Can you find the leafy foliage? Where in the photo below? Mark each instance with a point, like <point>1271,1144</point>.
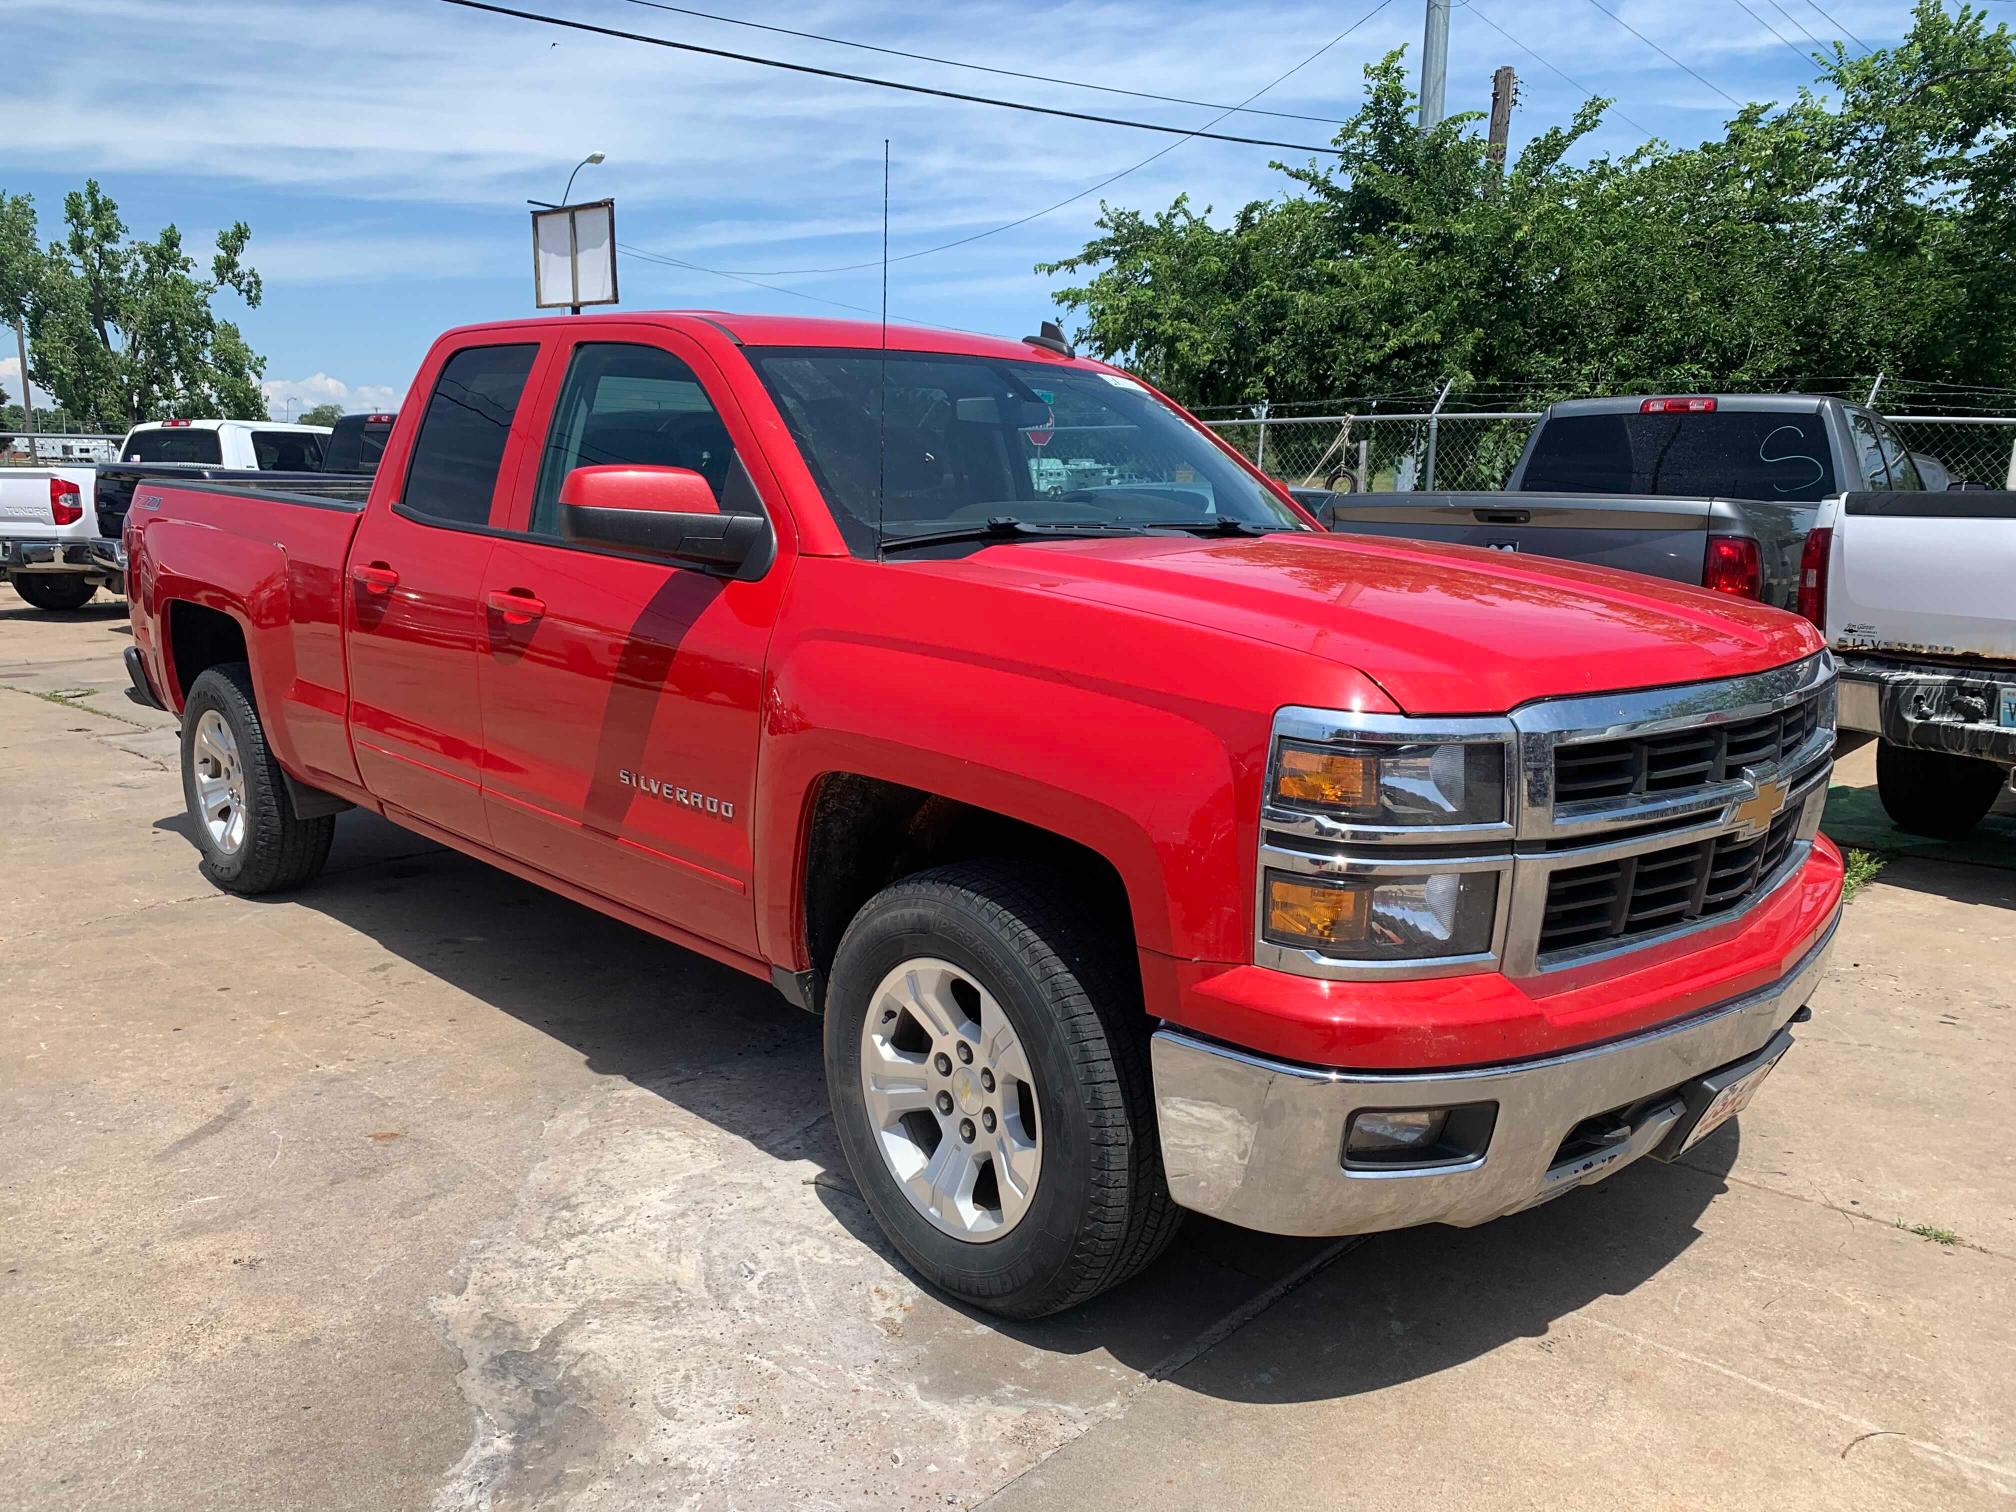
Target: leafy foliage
<point>125,330</point>
<point>321,414</point>
<point>1868,225</point>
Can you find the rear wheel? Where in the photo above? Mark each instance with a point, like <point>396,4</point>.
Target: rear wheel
<point>1933,793</point>
<point>245,824</point>
<point>55,590</point>
<point>987,1059</point>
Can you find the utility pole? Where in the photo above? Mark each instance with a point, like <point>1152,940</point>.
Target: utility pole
<point>1434,63</point>
<point>1504,88</point>
<point>27,401</point>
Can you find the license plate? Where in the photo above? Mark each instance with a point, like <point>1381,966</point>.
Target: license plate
<point>2009,708</point>
<point>1730,1101</point>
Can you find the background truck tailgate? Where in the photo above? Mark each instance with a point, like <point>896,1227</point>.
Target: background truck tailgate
<point>1664,538</point>
<point>1929,574</point>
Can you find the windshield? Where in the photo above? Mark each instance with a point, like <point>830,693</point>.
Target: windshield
<point>177,444</point>
<point>974,439</point>
<point>1744,454</point>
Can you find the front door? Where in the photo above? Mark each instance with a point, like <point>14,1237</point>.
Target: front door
<point>621,696</point>
<point>418,632</point>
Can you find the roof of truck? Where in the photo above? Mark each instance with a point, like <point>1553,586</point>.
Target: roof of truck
<point>807,331</point>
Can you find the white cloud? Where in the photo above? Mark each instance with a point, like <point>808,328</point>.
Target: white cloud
<point>10,378</point>
<point>320,388</point>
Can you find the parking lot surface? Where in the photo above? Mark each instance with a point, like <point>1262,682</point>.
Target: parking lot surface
<point>424,1187</point>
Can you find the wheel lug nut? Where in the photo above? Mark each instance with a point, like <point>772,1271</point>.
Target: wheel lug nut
<point>944,1102</point>
<point>987,1119</point>
<point>943,1062</point>
<point>987,1080</point>
<point>966,1130</point>
<point>965,1053</point>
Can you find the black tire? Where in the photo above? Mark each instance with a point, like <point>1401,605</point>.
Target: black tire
<point>278,850</point>
<point>55,590</point>
<point>1932,793</point>
<point>1101,1209</point>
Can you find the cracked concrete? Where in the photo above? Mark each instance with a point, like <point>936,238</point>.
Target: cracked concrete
<point>423,1187</point>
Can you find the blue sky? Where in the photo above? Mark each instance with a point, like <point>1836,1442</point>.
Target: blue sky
<point>383,150</point>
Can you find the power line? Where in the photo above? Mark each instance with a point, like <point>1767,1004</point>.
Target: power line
<point>1832,22</point>
<point>1006,73</point>
<point>1112,178</point>
<point>1641,37</point>
<point>1793,22</point>
<point>1776,35</point>
<point>1587,92</point>
<point>642,255</point>
<point>834,73</point>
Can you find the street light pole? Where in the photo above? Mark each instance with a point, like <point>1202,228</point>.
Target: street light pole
<point>590,161</point>
<point>1434,63</point>
<point>27,398</point>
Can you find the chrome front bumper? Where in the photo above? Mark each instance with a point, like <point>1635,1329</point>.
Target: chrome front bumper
<point>1260,1142</point>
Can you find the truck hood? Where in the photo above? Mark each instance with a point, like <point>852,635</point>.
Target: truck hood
<point>1444,630</point>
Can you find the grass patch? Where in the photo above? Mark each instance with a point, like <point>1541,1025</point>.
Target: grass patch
<point>1862,868</point>
<point>1930,1233</point>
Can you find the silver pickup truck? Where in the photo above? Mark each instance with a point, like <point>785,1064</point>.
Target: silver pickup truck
<point>1716,489</point>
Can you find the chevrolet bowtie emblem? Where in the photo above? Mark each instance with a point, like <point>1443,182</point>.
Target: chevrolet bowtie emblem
<point>1755,813</point>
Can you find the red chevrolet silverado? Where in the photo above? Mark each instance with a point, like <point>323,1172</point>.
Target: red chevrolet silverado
<point>1144,847</point>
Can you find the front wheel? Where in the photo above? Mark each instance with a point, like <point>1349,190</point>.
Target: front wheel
<point>55,590</point>
<point>987,1060</point>
<point>246,828</point>
<point>1933,793</point>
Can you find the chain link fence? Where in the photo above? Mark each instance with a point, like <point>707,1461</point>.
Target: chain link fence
<point>54,449</point>
<point>1375,453</point>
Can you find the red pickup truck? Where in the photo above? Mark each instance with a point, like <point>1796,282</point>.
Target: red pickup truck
<point>1145,847</point>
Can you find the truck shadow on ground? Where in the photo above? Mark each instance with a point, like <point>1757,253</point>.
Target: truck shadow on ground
<point>728,1049</point>
<point>100,611</point>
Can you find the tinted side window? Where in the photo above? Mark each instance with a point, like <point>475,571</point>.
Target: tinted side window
<point>634,404</point>
<point>1903,471</point>
<point>463,431</point>
<point>1874,467</point>
<point>287,451</point>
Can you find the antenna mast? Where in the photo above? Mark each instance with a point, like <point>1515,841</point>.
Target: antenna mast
<point>882,375</point>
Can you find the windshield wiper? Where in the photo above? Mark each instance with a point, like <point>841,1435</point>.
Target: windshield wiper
<point>1215,525</point>
<point>1004,527</point>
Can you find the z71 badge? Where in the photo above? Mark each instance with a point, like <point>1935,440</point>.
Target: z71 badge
<point>684,796</point>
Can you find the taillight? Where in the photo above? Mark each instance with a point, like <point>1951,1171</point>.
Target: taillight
<point>1697,404</point>
<point>174,422</point>
<point>66,501</point>
<point>1813,575</point>
<point>1735,566</point>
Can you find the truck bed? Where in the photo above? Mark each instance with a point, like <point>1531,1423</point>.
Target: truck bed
<point>199,536</point>
<point>1657,535</point>
<point>118,480</point>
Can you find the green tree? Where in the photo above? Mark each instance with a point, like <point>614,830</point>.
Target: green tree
<point>1870,224</point>
<point>125,330</point>
<point>321,414</point>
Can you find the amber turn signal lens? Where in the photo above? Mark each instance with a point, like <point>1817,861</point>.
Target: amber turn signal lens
<point>1318,912</point>
<point>1327,779</point>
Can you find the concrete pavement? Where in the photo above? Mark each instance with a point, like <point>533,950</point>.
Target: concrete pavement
<point>424,1187</point>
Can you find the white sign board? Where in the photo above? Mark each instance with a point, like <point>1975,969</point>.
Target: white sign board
<point>574,255</point>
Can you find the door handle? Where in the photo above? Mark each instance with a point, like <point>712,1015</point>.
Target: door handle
<point>375,577</point>
<point>515,606</point>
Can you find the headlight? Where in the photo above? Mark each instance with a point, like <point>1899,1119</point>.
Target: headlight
<point>1394,784</point>
<point>1398,918</point>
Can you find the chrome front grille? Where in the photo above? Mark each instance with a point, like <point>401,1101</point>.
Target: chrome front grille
<point>1651,765</point>
<point>1618,900</point>
<point>1631,818</point>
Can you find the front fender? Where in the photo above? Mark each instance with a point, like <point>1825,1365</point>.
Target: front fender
<point>1151,787</point>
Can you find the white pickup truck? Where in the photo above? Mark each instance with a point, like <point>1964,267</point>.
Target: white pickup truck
<point>49,541</point>
<point>1917,595</point>
<point>265,445</point>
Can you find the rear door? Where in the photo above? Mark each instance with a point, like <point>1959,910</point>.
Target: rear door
<point>622,697</point>
<point>418,633</point>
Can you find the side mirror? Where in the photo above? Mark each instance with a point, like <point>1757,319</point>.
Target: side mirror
<point>662,513</point>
